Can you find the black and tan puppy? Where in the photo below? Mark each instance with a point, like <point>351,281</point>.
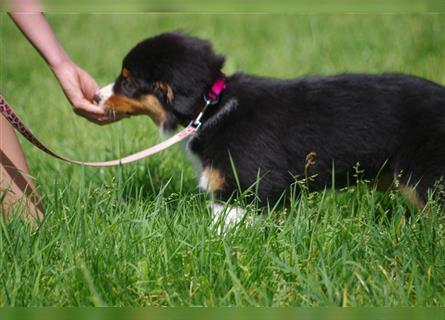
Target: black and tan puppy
<point>390,124</point>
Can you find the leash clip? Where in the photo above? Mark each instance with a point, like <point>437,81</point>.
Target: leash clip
<point>197,122</point>
<point>210,99</point>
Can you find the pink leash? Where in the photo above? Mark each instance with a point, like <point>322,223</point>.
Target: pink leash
<point>211,98</point>
<point>15,121</point>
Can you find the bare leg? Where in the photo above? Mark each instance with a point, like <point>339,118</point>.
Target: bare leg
<point>14,176</point>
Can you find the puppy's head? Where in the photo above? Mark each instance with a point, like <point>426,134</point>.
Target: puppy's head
<point>164,77</point>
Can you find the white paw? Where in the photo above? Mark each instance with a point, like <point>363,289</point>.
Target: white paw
<point>226,216</point>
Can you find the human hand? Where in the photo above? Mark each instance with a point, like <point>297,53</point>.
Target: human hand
<point>79,87</point>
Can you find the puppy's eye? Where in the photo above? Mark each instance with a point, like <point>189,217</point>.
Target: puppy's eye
<point>125,73</point>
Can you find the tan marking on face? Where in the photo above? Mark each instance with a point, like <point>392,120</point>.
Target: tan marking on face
<point>125,73</point>
<point>166,89</point>
<point>148,104</point>
<point>215,180</point>
<point>411,196</point>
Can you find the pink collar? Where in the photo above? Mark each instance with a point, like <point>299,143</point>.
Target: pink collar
<point>218,86</point>
<point>211,98</point>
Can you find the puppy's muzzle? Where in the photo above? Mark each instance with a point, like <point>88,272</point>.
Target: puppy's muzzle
<point>103,94</point>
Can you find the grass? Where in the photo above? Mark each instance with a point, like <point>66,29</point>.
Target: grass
<point>141,234</point>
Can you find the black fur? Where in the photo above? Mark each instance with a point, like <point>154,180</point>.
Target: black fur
<point>272,125</point>
<point>187,64</point>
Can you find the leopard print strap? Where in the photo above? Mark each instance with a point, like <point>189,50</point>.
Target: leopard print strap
<point>15,121</point>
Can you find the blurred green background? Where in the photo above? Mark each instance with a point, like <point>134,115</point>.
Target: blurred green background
<point>264,6</point>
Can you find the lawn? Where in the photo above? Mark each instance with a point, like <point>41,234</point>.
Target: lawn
<point>141,234</point>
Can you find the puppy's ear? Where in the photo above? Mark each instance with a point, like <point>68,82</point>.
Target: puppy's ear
<point>191,89</point>
<point>170,124</point>
<point>186,104</point>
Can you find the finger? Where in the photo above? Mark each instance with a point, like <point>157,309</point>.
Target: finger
<point>87,107</point>
<point>104,121</point>
<point>90,92</point>
<point>95,120</point>
<point>88,115</point>
<point>88,85</point>
<point>110,119</point>
<point>101,120</point>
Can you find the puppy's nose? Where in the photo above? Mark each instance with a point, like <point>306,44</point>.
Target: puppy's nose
<point>103,94</point>
<point>97,98</point>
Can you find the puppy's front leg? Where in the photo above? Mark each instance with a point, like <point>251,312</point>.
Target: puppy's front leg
<point>212,180</point>
<point>231,215</point>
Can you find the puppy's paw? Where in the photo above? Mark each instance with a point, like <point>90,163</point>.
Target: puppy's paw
<point>226,216</point>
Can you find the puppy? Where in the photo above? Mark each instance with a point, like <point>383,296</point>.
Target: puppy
<point>275,131</point>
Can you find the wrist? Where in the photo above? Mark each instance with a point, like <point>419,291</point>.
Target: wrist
<point>61,67</point>
<point>60,63</point>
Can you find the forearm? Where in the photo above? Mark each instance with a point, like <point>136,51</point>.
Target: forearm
<point>78,86</point>
<point>36,28</point>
